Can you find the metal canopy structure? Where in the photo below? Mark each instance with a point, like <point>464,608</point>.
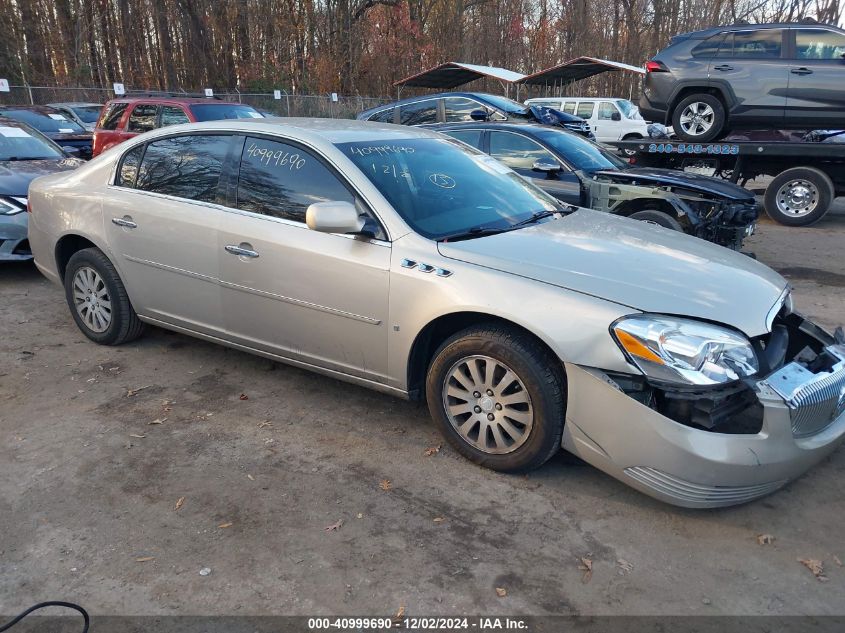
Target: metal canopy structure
<point>575,70</point>
<point>454,74</point>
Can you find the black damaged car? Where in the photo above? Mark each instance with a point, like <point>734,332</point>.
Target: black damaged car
<point>581,173</point>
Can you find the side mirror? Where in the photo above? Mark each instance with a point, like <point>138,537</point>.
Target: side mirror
<point>479,115</point>
<point>72,151</point>
<point>615,116</point>
<point>547,166</point>
<point>334,217</point>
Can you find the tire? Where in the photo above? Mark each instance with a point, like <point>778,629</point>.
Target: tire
<point>709,127</point>
<point>92,278</point>
<point>657,217</point>
<point>528,420</point>
<point>799,196</point>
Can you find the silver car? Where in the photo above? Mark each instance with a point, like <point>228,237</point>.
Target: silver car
<point>401,260</point>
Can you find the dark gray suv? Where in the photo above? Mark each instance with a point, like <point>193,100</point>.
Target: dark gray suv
<point>773,75</point>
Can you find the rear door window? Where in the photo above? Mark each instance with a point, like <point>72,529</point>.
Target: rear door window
<point>762,44</point>
<point>819,44</point>
<point>282,180</point>
<point>111,116</point>
<point>184,166</point>
<point>173,115</point>
<point>470,137</point>
<point>143,118</point>
<point>708,47</point>
<point>585,109</point>
<point>419,112</point>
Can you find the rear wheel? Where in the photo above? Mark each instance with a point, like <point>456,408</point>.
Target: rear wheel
<point>98,300</point>
<point>699,118</point>
<point>499,397</point>
<point>799,196</point>
<point>659,218</point>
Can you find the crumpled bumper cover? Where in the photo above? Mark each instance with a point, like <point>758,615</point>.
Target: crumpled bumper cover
<point>685,466</point>
<point>13,244</point>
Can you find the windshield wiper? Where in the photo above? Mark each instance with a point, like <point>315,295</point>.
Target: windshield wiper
<point>26,158</point>
<point>476,231</point>
<point>535,217</point>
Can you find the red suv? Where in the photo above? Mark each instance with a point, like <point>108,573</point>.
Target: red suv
<point>122,119</point>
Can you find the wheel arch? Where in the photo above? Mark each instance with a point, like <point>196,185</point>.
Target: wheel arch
<point>69,244</point>
<point>722,93</point>
<point>432,335</point>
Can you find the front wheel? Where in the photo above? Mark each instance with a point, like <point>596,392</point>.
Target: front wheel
<point>499,397</point>
<point>699,118</point>
<point>98,300</point>
<point>650,216</point>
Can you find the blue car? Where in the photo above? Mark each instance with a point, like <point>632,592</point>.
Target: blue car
<point>457,107</point>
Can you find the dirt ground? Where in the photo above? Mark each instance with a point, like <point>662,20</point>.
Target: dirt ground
<point>116,499</point>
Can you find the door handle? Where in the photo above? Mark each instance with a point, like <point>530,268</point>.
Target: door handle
<point>124,222</point>
<point>723,67</point>
<point>240,251</point>
<point>801,71</point>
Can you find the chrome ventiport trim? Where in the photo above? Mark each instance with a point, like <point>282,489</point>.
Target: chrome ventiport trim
<point>442,272</point>
<point>425,268</point>
<point>408,263</point>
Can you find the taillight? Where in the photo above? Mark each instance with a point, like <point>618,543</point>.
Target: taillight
<point>656,67</point>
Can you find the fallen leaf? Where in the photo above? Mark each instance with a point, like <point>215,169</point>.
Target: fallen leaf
<point>334,526</point>
<point>250,477</point>
<point>587,567</point>
<point>815,566</point>
<point>385,484</point>
<point>223,526</point>
<point>132,392</point>
<point>158,421</point>
<point>243,396</point>
<point>837,561</point>
<point>140,436</point>
<point>400,613</point>
<point>624,566</point>
<point>145,559</point>
<point>264,424</point>
<point>501,592</point>
<point>433,450</point>
<point>765,539</point>
<point>179,502</point>
<point>439,519</point>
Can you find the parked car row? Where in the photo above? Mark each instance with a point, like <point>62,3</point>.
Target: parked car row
<point>407,261</point>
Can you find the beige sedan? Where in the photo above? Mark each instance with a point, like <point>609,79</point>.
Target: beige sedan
<point>401,260</point>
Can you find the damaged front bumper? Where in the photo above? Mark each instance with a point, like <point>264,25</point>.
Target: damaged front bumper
<point>14,245</point>
<point>801,421</point>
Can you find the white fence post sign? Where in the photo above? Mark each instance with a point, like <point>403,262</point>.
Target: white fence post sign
<point>277,94</point>
<point>4,85</point>
<point>119,89</point>
<point>209,92</point>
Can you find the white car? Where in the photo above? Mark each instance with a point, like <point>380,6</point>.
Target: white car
<point>610,119</point>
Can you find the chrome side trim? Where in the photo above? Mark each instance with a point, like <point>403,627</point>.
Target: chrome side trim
<point>301,303</point>
<point>172,269</point>
<point>364,382</point>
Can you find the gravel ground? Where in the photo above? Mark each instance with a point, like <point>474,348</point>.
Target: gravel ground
<point>125,471</point>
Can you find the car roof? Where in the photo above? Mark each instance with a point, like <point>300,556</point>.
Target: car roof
<point>177,100</point>
<point>74,104</point>
<point>310,129</point>
<point>755,27</point>
<point>437,95</point>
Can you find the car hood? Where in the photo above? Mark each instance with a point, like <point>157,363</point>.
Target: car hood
<point>677,178</point>
<point>634,264</point>
<point>15,176</point>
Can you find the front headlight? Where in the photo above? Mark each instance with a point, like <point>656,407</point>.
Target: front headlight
<point>684,351</point>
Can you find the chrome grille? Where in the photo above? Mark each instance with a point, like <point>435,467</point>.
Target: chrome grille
<point>693,493</point>
<point>815,401</point>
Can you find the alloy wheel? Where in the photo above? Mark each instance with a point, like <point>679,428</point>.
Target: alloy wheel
<point>697,118</point>
<point>91,298</point>
<point>487,404</point>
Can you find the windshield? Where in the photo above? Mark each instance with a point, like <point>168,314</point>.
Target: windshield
<point>442,187</point>
<point>87,114</point>
<point>20,143</point>
<point>50,123</point>
<point>628,109</point>
<point>579,152</point>
<point>217,111</point>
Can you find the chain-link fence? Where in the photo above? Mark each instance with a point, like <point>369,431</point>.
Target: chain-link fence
<point>290,104</point>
